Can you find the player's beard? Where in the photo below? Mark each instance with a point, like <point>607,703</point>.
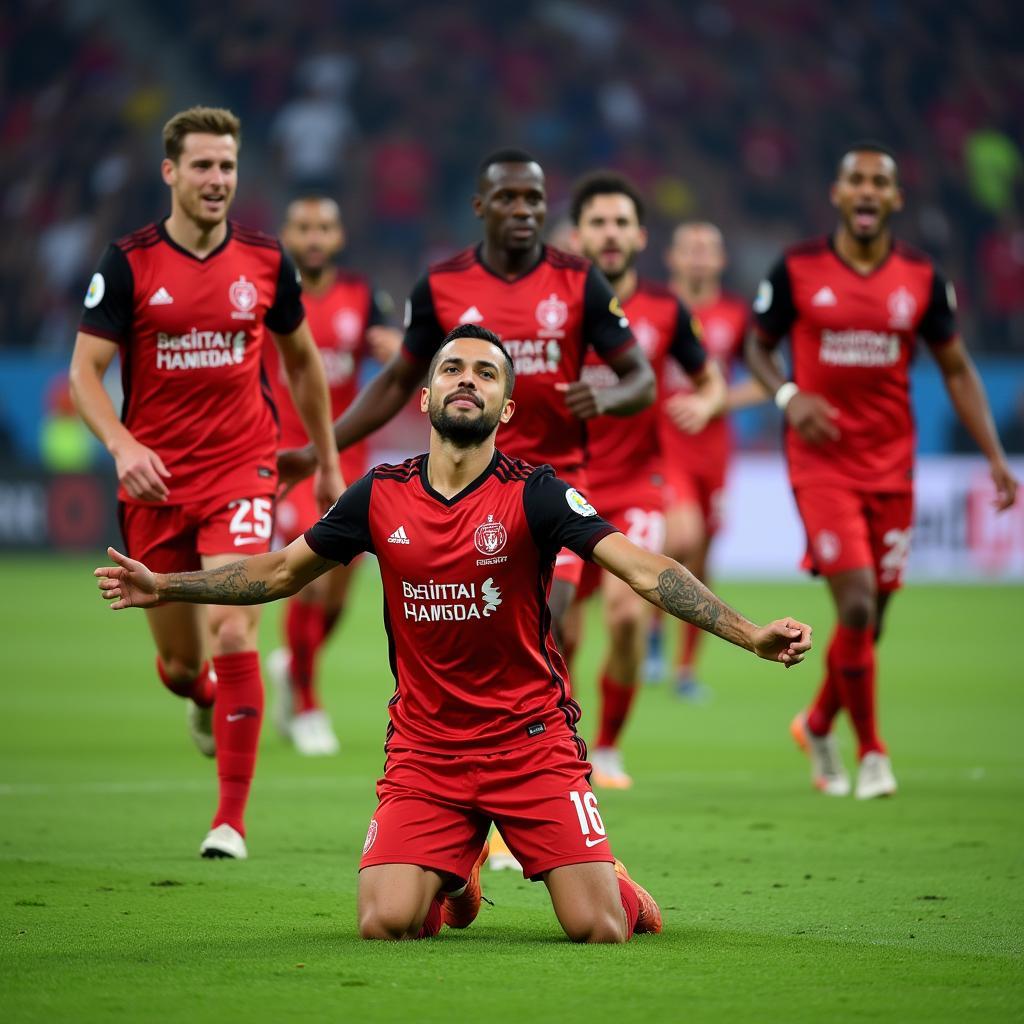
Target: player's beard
<point>462,431</point>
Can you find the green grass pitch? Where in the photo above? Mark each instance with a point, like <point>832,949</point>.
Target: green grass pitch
<point>779,904</point>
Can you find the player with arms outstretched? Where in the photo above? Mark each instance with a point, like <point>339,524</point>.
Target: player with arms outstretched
<point>853,305</point>
<point>482,724</point>
<point>626,461</point>
<point>548,307</point>
<point>347,320</point>
<point>698,446</point>
<point>187,303</point>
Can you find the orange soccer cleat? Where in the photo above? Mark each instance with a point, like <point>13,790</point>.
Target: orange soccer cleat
<point>459,911</point>
<point>649,918</point>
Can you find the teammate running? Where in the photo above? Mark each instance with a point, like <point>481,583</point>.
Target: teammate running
<point>626,457</point>
<point>348,325</point>
<point>696,469</point>
<point>853,305</point>
<point>547,306</point>
<point>187,303</point>
<point>482,724</point>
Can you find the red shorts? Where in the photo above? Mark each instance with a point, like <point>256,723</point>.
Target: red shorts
<point>642,520</point>
<point>171,538</point>
<point>435,809</point>
<point>704,488</point>
<point>297,511</point>
<point>569,565</point>
<point>848,529</point>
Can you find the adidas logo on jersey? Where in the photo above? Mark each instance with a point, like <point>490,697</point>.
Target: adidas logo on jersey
<point>824,297</point>
<point>399,536</point>
<point>161,297</point>
<point>471,316</point>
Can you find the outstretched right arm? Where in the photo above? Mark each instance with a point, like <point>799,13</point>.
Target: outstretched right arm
<point>256,580</point>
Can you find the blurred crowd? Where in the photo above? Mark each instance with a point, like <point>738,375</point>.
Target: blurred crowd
<point>731,110</point>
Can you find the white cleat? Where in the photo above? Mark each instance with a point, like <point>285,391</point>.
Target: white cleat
<point>608,772</point>
<point>828,775</point>
<point>279,673</point>
<point>875,777</point>
<point>223,842</point>
<point>500,857</point>
<point>312,734</point>
<point>200,727</point>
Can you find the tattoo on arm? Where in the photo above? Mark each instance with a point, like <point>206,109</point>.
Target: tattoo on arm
<point>684,596</point>
<point>228,584</point>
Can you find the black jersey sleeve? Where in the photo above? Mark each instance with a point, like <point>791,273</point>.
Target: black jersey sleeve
<point>344,529</point>
<point>382,306</point>
<point>773,307</point>
<point>605,327</point>
<point>287,312</point>
<point>109,302</point>
<point>686,347</point>
<point>560,517</point>
<point>938,324</point>
<point>423,331</point>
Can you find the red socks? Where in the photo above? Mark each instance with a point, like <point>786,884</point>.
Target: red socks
<point>432,922</point>
<point>306,628</point>
<point>616,700</point>
<point>200,689</point>
<point>237,715</point>
<point>850,683</point>
<point>630,904</point>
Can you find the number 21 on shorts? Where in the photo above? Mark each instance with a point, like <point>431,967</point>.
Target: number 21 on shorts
<point>589,816</point>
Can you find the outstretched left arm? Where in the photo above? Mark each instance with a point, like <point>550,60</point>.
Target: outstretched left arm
<point>668,585</point>
<point>967,394</point>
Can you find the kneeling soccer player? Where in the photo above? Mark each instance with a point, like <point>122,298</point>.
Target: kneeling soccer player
<point>482,725</point>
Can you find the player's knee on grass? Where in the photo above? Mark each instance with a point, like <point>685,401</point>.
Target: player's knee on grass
<point>594,924</point>
<point>586,901</point>
<point>389,923</point>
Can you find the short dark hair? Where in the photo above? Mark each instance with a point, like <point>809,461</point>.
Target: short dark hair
<point>604,183</point>
<point>867,146</point>
<point>505,156</point>
<point>480,334</point>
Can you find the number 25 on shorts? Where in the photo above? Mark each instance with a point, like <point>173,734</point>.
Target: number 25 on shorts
<point>589,816</point>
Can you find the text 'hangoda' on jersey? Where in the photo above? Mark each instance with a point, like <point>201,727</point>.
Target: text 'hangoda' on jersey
<point>466,584</point>
<point>546,319</point>
<point>191,334</point>
<point>852,338</point>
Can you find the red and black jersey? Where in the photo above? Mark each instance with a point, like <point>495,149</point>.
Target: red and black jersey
<point>191,337</point>
<point>852,338</point>
<point>625,448</point>
<point>723,325</point>
<point>547,318</point>
<point>466,583</point>
<point>338,319</point>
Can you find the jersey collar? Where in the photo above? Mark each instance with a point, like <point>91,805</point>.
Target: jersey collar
<point>853,270</point>
<point>479,252</point>
<point>161,229</point>
<point>466,491</point>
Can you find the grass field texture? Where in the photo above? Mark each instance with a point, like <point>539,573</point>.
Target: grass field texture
<point>779,904</point>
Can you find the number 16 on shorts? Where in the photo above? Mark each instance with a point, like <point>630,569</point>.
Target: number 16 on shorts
<point>589,816</point>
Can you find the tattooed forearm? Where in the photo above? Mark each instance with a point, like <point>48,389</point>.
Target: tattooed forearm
<point>683,595</point>
<point>228,584</point>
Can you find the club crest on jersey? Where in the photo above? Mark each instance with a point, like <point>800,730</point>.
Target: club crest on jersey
<point>490,537</point>
<point>552,314</point>
<point>243,296</point>
<point>827,546</point>
<point>578,503</point>
<point>646,335</point>
<point>347,324</point>
<point>902,307</point>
